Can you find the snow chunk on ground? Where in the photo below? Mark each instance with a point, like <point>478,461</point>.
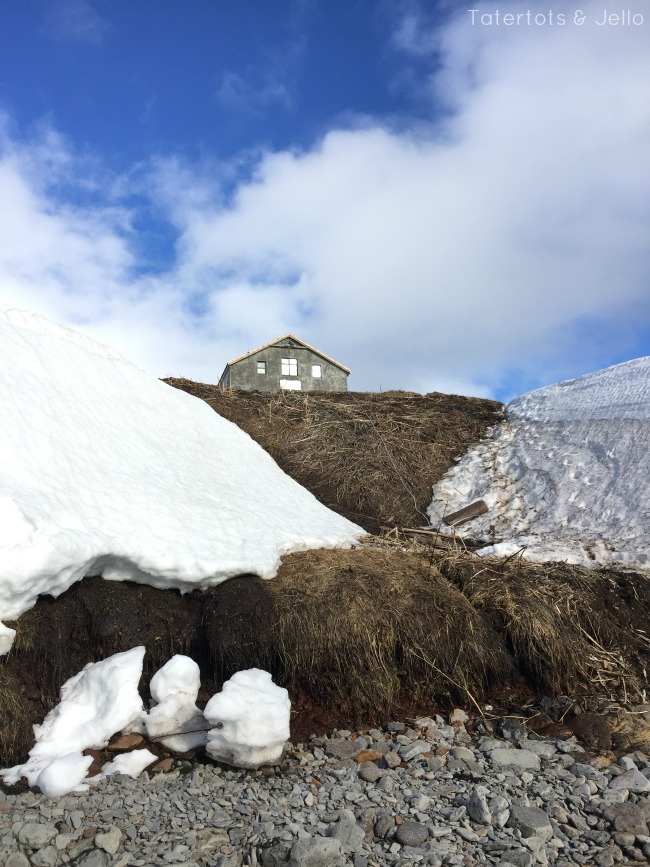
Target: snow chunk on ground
<point>180,675</point>
<point>100,700</point>
<point>565,475</point>
<point>106,470</point>
<point>131,764</point>
<point>250,719</point>
<point>65,774</point>
<point>175,720</point>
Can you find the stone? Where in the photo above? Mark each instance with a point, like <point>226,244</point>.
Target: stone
<point>96,858</point>
<point>463,754</point>
<point>458,716</point>
<point>411,751</point>
<point>383,826</point>
<point>163,766</point>
<point>369,772</point>
<point>530,821</point>
<point>522,759</point>
<point>17,859</point>
<point>317,852</point>
<point>627,818</point>
<point>499,807</point>
<point>340,748</point>
<point>541,748</point>
<point>48,856</point>
<point>516,858</point>
<point>477,806</point>
<point>412,834</point>
<point>123,743</point>
<point>349,834</point>
<point>392,760</point>
<point>633,781</point>
<point>36,835</point>
<point>367,756</point>
<point>511,729</point>
<point>110,841</point>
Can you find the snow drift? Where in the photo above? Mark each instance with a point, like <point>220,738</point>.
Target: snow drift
<point>106,470</point>
<point>565,476</point>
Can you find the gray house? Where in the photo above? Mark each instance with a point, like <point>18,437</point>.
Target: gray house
<point>286,363</point>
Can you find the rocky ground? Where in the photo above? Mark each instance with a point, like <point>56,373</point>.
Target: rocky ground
<point>427,793</point>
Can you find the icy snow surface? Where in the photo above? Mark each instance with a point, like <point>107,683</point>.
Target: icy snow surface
<point>250,719</point>
<point>106,470</point>
<point>100,700</point>
<point>565,476</point>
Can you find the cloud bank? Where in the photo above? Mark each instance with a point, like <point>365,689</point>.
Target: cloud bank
<point>498,246</point>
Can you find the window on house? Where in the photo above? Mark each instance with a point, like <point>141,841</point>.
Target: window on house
<point>289,367</point>
<point>316,371</point>
<point>261,366</point>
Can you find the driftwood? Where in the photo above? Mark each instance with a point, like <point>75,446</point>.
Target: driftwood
<point>455,519</point>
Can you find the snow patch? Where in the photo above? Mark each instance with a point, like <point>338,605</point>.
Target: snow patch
<point>565,475</point>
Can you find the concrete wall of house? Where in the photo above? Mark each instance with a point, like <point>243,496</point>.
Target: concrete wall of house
<point>244,374</point>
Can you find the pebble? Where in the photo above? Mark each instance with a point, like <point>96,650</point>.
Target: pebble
<point>426,794</point>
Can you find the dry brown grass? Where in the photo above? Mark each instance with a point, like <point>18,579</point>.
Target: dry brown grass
<point>370,628</point>
<point>371,457</point>
<point>569,629</point>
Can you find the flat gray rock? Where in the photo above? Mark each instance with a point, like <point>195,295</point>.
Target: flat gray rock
<point>522,759</point>
<point>36,835</point>
<point>633,781</point>
<point>627,818</point>
<point>530,821</point>
<point>340,748</point>
<point>317,852</point>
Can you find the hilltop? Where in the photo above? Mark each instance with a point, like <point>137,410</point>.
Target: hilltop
<point>369,456</point>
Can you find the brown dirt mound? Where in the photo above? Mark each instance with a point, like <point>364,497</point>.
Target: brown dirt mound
<point>356,636</point>
<point>360,630</point>
<point>371,457</point>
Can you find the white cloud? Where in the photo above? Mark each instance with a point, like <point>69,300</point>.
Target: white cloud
<point>238,93</point>
<point>76,21</point>
<point>457,255</point>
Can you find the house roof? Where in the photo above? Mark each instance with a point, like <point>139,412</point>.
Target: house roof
<point>284,337</point>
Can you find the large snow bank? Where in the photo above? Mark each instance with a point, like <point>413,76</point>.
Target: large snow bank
<point>106,470</point>
<point>565,476</point>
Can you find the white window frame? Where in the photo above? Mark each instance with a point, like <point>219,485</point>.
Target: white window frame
<point>289,367</point>
<point>317,371</point>
<point>261,367</point>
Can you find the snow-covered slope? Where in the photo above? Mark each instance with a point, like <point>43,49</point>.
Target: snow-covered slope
<point>106,470</point>
<point>566,475</point>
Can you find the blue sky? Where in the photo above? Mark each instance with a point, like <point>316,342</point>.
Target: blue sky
<point>438,199</point>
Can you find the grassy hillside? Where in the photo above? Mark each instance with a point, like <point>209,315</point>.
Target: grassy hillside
<point>371,457</point>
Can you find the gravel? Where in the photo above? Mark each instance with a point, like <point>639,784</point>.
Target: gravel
<point>426,793</point>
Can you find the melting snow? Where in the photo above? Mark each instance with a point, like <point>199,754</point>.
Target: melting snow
<point>249,719</point>
<point>565,476</point>
<point>106,470</point>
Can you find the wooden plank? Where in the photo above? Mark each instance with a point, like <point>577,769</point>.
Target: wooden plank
<point>455,519</point>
